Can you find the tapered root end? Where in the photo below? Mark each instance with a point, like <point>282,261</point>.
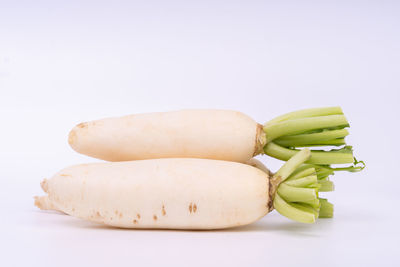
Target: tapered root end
<point>71,137</point>
<point>78,130</point>
<point>43,203</point>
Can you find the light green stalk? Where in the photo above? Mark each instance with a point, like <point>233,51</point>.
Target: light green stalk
<point>326,185</point>
<point>326,209</point>
<point>303,125</point>
<point>291,165</point>
<point>317,127</point>
<point>306,208</point>
<point>302,171</point>
<point>317,157</point>
<point>296,186</point>
<point>297,194</point>
<point>304,181</point>
<point>333,137</point>
<point>306,113</point>
<point>292,212</point>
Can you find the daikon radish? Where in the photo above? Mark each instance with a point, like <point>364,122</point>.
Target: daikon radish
<point>181,193</point>
<point>214,134</point>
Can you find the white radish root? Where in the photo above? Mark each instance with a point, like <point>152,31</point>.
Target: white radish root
<point>160,193</point>
<point>212,134</point>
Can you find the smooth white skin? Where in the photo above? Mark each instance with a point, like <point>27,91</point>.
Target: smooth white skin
<point>213,134</point>
<point>160,193</point>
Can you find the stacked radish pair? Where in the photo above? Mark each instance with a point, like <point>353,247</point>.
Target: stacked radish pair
<point>194,169</point>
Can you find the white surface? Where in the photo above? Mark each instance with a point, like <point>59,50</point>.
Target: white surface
<point>63,63</point>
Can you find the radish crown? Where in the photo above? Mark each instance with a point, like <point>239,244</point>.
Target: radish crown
<point>295,189</point>
<point>318,127</point>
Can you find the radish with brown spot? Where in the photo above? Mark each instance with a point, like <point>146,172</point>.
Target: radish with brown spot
<point>220,194</point>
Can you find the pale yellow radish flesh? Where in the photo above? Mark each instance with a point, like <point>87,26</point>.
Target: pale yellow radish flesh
<point>212,134</point>
<point>161,193</point>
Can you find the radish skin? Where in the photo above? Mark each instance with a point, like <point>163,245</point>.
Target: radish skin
<point>160,193</point>
<point>212,134</point>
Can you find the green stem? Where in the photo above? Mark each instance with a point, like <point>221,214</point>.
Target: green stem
<point>356,167</point>
<point>296,194</point>
<point>312,112</point>
<point>306,208</point>
<point>326,209</point>
<point>292,212</point>
<point>313,138</point>
<point>318,127</point>
<point>297,197</point>
<point>302,182</point>
<point>291,165</point>
<point>301,143</point>
<point>317,157</point>
<point>326,186</point>
<point>321,171</point>
<point>313,203</point>
<point>324,172</point>
<point>302,125</point>
<point>302,171</point>
<point>285,195</point>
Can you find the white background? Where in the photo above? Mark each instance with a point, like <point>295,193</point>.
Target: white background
<point>63,62</point>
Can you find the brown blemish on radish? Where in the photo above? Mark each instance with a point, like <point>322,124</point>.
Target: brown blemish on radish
<point>82,125</point>
<point>163,211</point>
<point>116,212</point>
<point>135,221</point>
<point>192,207</point>
<point>260,140</point>
<point>155,217</point>
<point>121,215</point>
<point>98,215</point>
<point>138,216</point>
<point>271,195</point>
